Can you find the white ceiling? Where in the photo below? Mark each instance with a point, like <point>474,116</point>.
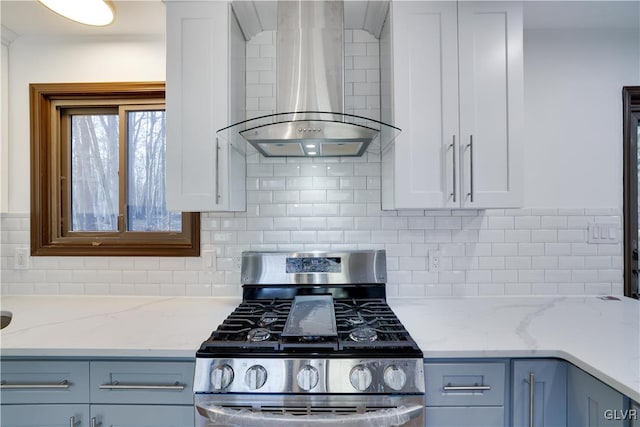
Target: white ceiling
<point>147,17</point>
<point>29,18</point>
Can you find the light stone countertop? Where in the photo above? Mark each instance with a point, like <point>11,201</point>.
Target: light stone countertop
<point>598,335</point>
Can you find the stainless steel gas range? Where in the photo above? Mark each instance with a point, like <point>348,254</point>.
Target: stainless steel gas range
<point>312,343</point>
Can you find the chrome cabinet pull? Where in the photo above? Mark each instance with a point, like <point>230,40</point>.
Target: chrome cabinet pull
<point>470,147</point>
<point>474,387</point>
<point>453,155</point>
<point>217,171</point>
<point>22,386</point>
<point>95,422</point>
<point>117,386</point>
<point>532,385</point>
<point>73,422</point>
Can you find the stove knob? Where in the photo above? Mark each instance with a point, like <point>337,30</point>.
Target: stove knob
<point>221,377</point>
<point>255,377</point>
<point>360,377</point>
<point>394,377</point>
<point>307,377</point>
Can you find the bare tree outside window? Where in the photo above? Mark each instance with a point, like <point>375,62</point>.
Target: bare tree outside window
<point>94,172</point>
<point>147,207</point>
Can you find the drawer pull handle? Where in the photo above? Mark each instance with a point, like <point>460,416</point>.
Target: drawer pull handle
<point>117,386</point>
<point>474,387</point>
<point>65,384</point>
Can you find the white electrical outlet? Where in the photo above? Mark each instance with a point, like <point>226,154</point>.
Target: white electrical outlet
<point>434,261</point>
<point>21,259</point>
<point>209,260</point>
<point>237,263</point>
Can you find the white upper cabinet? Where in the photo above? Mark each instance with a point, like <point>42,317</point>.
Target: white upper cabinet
<point>456,91</point>
<point>204,92</point>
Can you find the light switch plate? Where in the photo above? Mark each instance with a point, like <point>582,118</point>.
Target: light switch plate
<point>21,260</point>
<point>599,233</point>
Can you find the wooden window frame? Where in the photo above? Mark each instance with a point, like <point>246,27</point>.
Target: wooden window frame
<point>631,119</point>
<point>49,237</point>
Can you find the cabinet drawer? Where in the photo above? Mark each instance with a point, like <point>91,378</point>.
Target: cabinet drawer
<point>44,382</point>
<point>142,382</point>
<point>465,384</point>
<point>143,415</point>
<point>473,416</point>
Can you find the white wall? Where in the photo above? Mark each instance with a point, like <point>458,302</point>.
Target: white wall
<point>4,131</point>
<point>573,114</point>
<point>62,60</point>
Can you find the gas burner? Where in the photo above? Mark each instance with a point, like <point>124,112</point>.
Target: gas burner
<point>258,334</point>
<point>268,318</point>
<point>363,334</point>
<point>355,321</point>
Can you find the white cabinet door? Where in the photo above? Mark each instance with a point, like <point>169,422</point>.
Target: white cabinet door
<point>542,383</point>
<point>201,70</point>
<point>425,76</point>
<point>491,103</point>
<point>457,90</point>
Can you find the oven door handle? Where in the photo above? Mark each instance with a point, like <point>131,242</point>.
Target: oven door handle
<point>245,418</point>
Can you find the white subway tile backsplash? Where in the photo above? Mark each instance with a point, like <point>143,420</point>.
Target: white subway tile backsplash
<point>313,223</point>
<point>299,209</point>
<point>313,196</point>
<point>448,223</point>
<point>333,204</point>
<point>491,262</point>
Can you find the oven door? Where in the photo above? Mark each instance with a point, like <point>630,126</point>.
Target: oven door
<point>260,410</point>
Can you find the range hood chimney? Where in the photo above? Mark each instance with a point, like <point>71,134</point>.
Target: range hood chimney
<point>310,119</point>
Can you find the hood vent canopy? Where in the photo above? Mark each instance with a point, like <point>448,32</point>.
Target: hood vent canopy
<point>310,119</point>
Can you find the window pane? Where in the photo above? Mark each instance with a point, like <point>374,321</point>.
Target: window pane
<point>94,172</point>
<point>147,205</point>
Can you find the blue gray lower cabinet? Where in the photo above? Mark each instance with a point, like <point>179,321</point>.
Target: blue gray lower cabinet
<point>132,393</point>
<point>591,403</point>
<point>143,415</point>
<point>635,414</point>
<point>50,415</point>
<point>539,393</point>
<point>465,394</point>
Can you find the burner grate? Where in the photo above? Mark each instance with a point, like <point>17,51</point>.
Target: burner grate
<point>362,325</point>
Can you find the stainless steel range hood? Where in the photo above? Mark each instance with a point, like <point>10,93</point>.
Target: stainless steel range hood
<point>310,118</point>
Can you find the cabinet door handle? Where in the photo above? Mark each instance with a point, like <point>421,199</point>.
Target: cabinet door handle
<point>73,422</point>
<point>117,386</point>
<point>532,387</point>
<point>470,147</point>
<point>22,386</point>
<point>453,156</point>
<point>217,171</point>
<point>95,422</point>
<point>474,387</point>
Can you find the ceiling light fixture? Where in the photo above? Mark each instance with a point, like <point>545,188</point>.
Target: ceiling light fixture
<point>90,12</point>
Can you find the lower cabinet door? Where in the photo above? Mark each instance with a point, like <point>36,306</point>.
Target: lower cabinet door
<point>474,416</point>
<point>142,415</point>
<point>539,393</point>
<point>44,415</point>
<point>593,403</point>
<point>634,415</point>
